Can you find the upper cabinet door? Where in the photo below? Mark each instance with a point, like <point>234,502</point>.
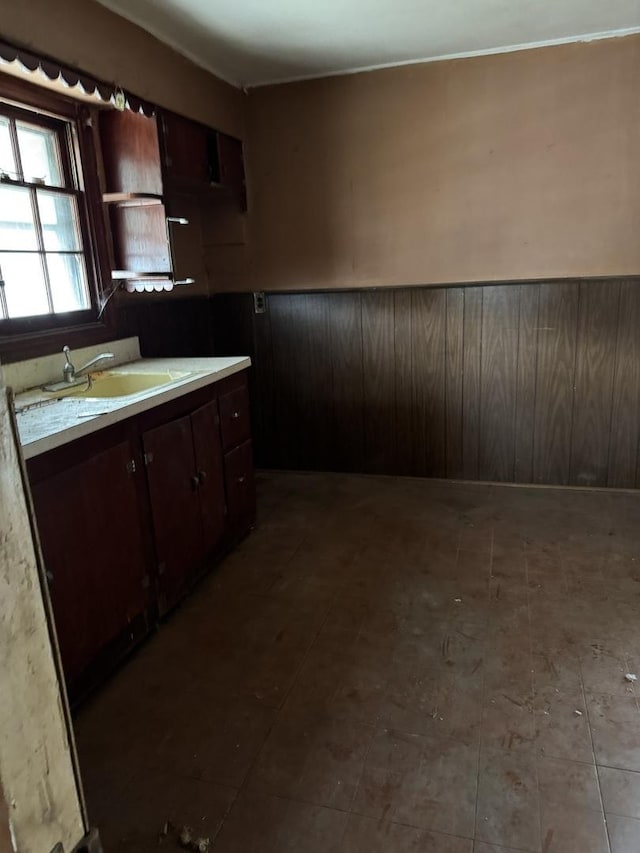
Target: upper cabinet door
<point>206,441</point>
<point>185,150</point>
<point>175,505</point>
<point>131,153</point>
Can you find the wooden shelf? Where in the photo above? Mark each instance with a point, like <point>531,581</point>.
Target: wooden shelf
<point>131,275</point>
<point>132,199</point>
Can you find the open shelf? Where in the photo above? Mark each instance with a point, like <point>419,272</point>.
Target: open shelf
<point>132,199</point>
<point>130,275</point>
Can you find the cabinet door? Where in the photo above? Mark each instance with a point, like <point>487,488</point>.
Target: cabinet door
<point>205,425</point>
<point>234,417</point>
<point>241,490</point>
<point>231,162</point>
<point>185,147</point>
<point>91,531</point>
<point>175,505</point>
<point>130,152</point>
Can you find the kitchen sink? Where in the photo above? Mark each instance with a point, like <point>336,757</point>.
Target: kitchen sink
<point>107,383</point>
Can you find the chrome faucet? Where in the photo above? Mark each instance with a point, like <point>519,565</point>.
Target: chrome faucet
<point>69,371</point>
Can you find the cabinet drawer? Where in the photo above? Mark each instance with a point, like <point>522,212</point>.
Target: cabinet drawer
<point>234,417</point>
<point>240,484</point>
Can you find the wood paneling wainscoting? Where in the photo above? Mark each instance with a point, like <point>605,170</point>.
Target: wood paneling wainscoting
<point>518,382</point>
<point>167,328</point>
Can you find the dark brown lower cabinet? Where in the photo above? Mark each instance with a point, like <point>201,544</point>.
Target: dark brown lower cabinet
<point>91,530</point>
<point>186,489</point>
<point>129,516</point>
<point>205,426</point>
<point>240,485</point>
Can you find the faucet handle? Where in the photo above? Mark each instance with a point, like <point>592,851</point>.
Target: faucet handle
<point>68,371</point>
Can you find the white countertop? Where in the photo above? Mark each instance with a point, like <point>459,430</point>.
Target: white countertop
<point>44,425</point>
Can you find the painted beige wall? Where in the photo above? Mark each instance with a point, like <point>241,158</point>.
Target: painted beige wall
<point>85,35</point>
<point>515,166</point>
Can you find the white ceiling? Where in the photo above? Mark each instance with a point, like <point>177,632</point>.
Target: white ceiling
<point>253,42</point>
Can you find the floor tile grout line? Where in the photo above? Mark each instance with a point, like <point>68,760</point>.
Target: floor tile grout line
<point>595,762</point>
<point>482,701</point>
<point>533,692</point>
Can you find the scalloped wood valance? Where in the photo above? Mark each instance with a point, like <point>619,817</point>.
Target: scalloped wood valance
<point>53,70</point>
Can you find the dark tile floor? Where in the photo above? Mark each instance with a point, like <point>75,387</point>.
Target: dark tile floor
<point>389,666</point>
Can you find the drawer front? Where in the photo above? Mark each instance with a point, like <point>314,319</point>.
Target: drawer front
<point>234,417</point>
<point>240,485</point>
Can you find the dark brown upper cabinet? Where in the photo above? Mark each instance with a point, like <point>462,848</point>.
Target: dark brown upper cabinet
<point>185,151</point>
<point>131,154</point>
<point>141,229</point>
<point>202,160</point>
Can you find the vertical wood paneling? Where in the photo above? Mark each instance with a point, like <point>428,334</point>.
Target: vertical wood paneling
<point>262,409</point>
<point>346,360</point>
<point>472,357</point>
<point>428,327</point>
<point>402,302</point>
<point>625,414</point>
<point>526,382</point>
<point>498,378</point>
<point>558,320</point>
<point>288,373</point>
<point>474,382</point>
<point>315,386</point>
<point>454,341</point>
<point>595,361</point>
<point>379,382</point>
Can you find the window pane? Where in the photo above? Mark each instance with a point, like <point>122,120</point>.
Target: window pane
<point>7,161</point>
<point>59,218</point>
<point>68,280</point>
<point>40,154</point>
<point>17,230</point>
<point>24,286</point>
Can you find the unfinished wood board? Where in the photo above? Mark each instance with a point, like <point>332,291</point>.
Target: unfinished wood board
<point>36,758</point>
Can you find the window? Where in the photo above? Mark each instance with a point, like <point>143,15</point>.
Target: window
<point>43,224</point>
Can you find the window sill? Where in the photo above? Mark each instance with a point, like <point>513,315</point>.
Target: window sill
<point>34,342</point>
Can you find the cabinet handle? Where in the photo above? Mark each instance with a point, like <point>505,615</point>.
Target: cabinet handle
<point>195,482</point>
<point>235,414</point>
<point>241,479</point>
<point>202,476</point>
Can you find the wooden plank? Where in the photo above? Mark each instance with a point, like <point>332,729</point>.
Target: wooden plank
<point>288,373</point>
<point>301,380</point>
<point>40,776</point>
<point>345,313</point>
<point>428,328</point>
<point>625,415</point>
<point>314,388</point>
<point>592,401</point>
<point>472,354</point>
<point>526,382</point>
<point>498,379</point>
<point>555,372</point>
<point>379,382</point>
<point>232,323</point>
<point>402,301</point>
<point>262,408</point>
<point>454,361</point>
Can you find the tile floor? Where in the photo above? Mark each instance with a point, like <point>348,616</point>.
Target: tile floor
<point>387,666</point>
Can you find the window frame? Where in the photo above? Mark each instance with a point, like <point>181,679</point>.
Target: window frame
<point>28,337</point>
